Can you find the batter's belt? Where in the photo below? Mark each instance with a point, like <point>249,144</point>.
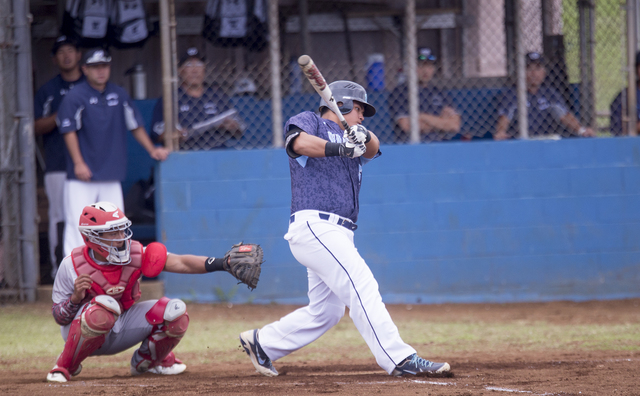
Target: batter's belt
<point>341,221</point>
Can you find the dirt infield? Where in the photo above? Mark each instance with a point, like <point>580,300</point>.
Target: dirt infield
<point>511,369</point>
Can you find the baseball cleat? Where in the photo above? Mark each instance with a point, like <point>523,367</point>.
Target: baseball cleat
<point>56,377</point>
<point>260,360</point>
<point>58,374</point>
<point>414,365</point>
<point>176,368</point>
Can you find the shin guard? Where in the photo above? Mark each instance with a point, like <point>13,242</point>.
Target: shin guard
<point>86,334</point>
<point>170,320</point>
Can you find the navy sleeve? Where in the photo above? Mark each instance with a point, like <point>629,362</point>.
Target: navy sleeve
<point>136,113</point>
<point>69,106</point>
<point>38,103</point>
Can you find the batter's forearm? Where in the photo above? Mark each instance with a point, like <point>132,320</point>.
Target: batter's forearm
<point>64,312</point>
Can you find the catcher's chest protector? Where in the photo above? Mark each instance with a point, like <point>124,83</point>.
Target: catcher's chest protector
<point>122,282</point>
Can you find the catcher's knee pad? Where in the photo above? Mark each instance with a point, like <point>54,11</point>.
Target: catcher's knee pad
<point>87,333</point>
<point>170,320</point>
<point>100,316</point>
<point>170,313</point>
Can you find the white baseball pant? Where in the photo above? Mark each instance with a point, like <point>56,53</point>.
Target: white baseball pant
<point>338,277</point>
<point>54,187</point>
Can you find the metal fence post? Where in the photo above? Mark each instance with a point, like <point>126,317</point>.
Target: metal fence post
<point>28,194</point>
<point>276,80</point>
<point>412,76</point>
<point>521,86</point>
<point>167,49</point>
<point>631,66</point>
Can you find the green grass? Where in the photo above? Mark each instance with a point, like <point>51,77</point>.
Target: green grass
<point>30,338</point>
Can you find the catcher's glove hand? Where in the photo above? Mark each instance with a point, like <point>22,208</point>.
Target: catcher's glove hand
<point>244,262</point>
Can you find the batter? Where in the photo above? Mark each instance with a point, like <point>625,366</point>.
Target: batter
<point>326,174</point>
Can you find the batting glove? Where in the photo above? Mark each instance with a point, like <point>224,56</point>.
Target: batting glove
<point>357,133</point>
<point>351,150</point>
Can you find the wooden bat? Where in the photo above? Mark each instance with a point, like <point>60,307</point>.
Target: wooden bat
<point>318,83</point>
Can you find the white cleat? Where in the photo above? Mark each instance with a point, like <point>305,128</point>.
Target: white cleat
<point>56,377</point>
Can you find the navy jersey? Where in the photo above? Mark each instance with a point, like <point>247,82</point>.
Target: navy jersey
<point>46,102</point>
<point>544,110</point>
<point>101,120</point>
<point>328,184</point>
<point>432,100</point>
<point>192,111</point>
<point>616,111</point>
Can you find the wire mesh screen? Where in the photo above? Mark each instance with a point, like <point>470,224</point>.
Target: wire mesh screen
<point>467,69</point>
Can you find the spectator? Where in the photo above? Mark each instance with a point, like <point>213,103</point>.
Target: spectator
<point>94,119</point>
<point>438,117</point>
<point>66,56</point>
<point>546,117</point>
<point>617,126</point>
<point>205,118</point>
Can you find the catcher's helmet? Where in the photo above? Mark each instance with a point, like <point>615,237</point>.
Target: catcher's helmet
<point>346,92</point>
<point>101,217</point>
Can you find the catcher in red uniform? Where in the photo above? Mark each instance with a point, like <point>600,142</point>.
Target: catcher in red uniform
<point>98,284</point>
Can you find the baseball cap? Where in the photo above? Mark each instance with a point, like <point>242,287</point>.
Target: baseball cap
<point>63,40</point>
<point>534,57</point>
<point>191,52</point>
<point>96,56</point>
<point>425,54</point>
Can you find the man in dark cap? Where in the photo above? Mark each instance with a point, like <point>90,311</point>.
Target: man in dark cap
<point>205,118</point>
<point>617,126</point>
<point>438,117</point>
<point>66,56</point>
<point>94,119</point>
<point>547,112</point>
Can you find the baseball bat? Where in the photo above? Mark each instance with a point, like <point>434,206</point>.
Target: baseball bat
<point>318,83</point>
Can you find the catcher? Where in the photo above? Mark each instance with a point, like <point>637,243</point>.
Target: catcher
<point>97,286</point>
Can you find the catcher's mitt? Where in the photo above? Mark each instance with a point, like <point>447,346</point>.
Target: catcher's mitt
<point>244,262</point>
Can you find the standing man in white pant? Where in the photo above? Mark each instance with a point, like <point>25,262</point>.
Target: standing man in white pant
<point>66,56</point>
<point>94,119</point>
<point>326,172</point>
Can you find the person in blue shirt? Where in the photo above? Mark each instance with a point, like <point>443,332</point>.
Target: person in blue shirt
<point>617,126</point>
<point>94,118</point>
<point>66,56</point>
<point>438,119</point>
<point>325,163</point>
<point>205,117</point>
<point>547,112</point>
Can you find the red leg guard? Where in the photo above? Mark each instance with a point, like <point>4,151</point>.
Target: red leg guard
<point>86,334</point>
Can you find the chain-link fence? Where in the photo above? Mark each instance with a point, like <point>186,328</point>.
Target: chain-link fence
<point>480,68</point>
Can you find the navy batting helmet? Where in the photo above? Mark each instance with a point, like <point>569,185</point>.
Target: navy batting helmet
<point>346,92</point>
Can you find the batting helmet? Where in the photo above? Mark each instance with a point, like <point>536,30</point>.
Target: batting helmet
<point>346,92</point>
<point>99,218</point>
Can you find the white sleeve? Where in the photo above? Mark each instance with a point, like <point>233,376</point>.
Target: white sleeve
<point>63,284</point>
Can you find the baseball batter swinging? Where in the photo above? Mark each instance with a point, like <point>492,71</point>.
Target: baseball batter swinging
<point>326,170</point>
<point>97,287</point>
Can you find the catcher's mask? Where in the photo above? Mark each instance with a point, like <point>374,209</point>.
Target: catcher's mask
<point>346,92</point>
<point>103,217</point>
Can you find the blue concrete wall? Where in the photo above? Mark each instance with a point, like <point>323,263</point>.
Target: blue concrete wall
<point>449,222</point>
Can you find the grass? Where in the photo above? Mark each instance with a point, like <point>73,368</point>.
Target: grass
<point>31,339</point>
